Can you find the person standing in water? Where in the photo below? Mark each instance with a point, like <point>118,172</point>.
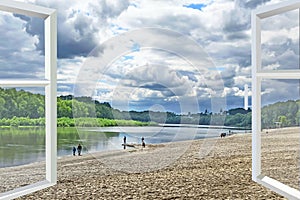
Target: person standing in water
<point>79,148</point>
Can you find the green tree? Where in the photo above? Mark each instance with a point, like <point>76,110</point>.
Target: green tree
<point>283,121</point>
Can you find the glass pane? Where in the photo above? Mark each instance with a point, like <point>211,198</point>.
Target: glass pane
<point>22,138</point>
<point>280,41</point>
<point>21,47</point>
<point>281,132</point>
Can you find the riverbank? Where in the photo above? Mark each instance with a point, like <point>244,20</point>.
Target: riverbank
<point>203,169</point>
<point>16,122</point>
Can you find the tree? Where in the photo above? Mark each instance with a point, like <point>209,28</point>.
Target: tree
<point>283,121</point>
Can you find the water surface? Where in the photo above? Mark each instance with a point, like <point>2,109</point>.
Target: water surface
<point>20,146</point>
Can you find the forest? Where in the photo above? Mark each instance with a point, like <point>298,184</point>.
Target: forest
<point>22,108</point>
<point>281,114</point>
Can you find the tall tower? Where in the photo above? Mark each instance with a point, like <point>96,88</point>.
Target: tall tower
<point>246,97</point>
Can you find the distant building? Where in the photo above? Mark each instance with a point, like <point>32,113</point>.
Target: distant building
<point>246,97</point>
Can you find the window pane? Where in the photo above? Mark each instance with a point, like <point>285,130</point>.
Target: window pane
<point>280,41</point>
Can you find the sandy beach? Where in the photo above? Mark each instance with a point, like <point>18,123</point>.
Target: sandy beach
<point>218,168</point>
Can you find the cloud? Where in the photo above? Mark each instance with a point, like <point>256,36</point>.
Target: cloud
<point>275,90</point>
<point>81,25</point>
<point>251,4</point>
<point>18,55</point>
<point>280,42</point>
<point>228,76</point>
<point>236,20</point>
<point>164,70</point>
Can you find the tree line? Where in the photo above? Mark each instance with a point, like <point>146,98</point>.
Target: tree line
<point>19,107</point>
<point>281,114</point>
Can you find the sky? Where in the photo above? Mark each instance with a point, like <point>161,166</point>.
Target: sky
<point>163,55</point>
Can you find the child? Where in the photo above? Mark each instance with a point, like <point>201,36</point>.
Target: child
<point>74,151</point>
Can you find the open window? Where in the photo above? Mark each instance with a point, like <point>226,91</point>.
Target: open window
<point>263,75</point>
<point>48,83</point>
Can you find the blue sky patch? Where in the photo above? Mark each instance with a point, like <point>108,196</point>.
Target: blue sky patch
<point>217,68</point>
<point>135,47</point>
<point>195,6</point>
<point>128,57</point>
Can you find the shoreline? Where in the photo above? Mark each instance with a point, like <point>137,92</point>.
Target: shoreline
<point>227,131</point>
<point>129,147</point>
<point>205,126</point>
<point>174,171</point>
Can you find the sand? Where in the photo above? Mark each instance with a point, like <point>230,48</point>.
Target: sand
<point>201,169</point>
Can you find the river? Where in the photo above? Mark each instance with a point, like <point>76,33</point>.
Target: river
<point>20,146</point>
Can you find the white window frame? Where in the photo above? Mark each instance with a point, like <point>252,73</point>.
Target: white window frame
<point>49,83</point>
<point>257,75</point>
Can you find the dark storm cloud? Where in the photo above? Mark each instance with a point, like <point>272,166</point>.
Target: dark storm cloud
<point>77,31</point>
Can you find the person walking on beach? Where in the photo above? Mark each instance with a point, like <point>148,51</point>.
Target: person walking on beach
<point>124,142</point>
<point>143,142</point>
<point>79,148</point>
<point>74,151</point>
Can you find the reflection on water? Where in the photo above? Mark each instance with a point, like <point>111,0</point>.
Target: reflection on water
<point>26,145</point>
